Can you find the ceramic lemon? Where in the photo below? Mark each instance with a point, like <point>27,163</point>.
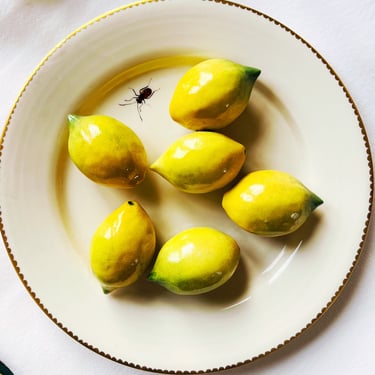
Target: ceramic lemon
<point>212,94</point>
<point>196,261</point>
<point>270,203</point>
<point>106,150</point>
<point>201,162</point>
<point>122,247</point>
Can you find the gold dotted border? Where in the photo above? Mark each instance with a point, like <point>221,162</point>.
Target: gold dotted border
<point>364,233</point>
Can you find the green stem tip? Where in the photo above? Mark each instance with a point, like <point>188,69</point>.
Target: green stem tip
<point>72,118</point>
<point>315,201</point>
<point>252,73</point>
<point>107,290</point>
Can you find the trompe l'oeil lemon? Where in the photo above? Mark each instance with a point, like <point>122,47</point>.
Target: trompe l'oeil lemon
<point>122,247</point>
<point>212,94</point>
<point>106,150</point>
<point>270,203</point>
<point>201,162</point>
<point>196,261</point>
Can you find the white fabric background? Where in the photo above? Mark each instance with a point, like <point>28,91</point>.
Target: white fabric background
<point>343,340</point>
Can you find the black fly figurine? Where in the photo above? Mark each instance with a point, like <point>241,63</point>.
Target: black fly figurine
<point>140,98</point>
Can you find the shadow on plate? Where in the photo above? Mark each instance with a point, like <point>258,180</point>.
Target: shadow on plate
<point>232,292</point>
<point>303,234</point>
<point>248,128</point>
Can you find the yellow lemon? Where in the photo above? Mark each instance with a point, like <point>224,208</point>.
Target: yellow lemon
<point>122,247</point>
<point>196,261</point>
<point>106,150</point>
<point>270,203</point>
<point>212,94</point>
<point>201,162</point>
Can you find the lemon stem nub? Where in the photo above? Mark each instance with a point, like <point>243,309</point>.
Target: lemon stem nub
<point>107,290</point>
<point>72,118</point>
<point>315,201</point>
<point>252,73</point>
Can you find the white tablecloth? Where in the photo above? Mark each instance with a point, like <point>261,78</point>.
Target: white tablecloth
<point>343,340</point>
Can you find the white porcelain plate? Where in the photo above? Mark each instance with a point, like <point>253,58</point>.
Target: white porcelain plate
<point>300,119</point>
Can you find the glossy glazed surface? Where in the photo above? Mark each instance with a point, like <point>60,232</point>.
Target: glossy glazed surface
<point>196,260</point>
<point>122,247</point>
<point>212,94</point>
<point>201,162</point>
<point>106,150</point>
<point>270,203</point>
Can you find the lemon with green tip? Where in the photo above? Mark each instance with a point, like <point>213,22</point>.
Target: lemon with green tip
<point>270,203</point>
<point>106,151</point>
<point>196,261</point>
<point>200,162</point>
<point>212,94</point>
<point>122,247</point>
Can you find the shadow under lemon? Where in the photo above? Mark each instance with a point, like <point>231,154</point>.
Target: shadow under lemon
<point>303,234</point>
<point>232,292</point>
<point>247,128</point>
